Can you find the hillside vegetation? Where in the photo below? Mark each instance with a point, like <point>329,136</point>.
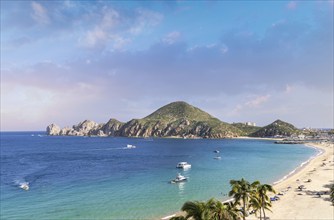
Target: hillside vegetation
<point>177,119</point>
<point>246,129</point>
<point>277,128</point>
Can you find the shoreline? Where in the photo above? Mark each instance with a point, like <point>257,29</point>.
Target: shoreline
<point>293,179</point>
<point>302,166</point>
<point>315,175</point>
<point>298,171</point>
<point>258,138</point>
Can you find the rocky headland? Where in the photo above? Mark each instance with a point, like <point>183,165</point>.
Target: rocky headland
<point>177,119</point>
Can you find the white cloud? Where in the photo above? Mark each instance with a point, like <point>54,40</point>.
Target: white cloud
<point>253,103</point>
<point>172,37</point>
<point>257,101</point>
<point>40,14</point>
<point>145,19</point>
<point>288,89</point>
<point>68,4</point>
<point>100,38</point>
<point>248,106</point>
<point>94,38</point>
<point>237,110</point>
<point>110,19</point>
<point>278,23</point>
<point>224,49</point>
<point>211,46</point>
<point>119,42</point>
<point>113,34</point>
<point>100,35</point>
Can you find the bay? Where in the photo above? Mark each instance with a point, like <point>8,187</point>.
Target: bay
<point>99,178</point>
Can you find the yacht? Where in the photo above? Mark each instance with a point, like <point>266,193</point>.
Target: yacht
<point>217,158</point>
<point>179,178</point>
<point>183,165</point>
<point>216,151</point>
<point>129,146</point>
<point>24,186</point>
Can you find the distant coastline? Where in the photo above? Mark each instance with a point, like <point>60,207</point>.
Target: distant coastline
<point>181,120</point>
<point>259,138</point>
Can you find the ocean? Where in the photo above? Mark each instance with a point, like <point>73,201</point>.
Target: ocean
<point>100,178</point>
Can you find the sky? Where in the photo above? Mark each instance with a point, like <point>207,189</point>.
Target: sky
<point>66,61</point>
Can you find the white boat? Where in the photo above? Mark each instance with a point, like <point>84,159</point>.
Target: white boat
<point>24,186</point>
<point>179,178</point>
<point>183,165</point>
<point>216,151</point>
<point>129,146</point>
<point>217,158</point>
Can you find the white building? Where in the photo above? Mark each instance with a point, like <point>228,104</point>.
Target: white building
<point>250,123</point>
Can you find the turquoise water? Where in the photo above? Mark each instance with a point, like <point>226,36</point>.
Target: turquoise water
<point>97,178</point>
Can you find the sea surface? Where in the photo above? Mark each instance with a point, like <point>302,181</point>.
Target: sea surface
<point>99,178</point>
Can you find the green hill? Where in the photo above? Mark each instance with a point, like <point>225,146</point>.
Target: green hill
<point>179,110</point>
<point>179,119</point>
<point>277,128</point>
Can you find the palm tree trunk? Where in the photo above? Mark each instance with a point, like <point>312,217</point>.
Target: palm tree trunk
<point>263,206</point>
<point>244,210</point>
<point>260,214</point>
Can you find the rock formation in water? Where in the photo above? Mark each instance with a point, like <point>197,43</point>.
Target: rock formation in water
<point>53,129</point>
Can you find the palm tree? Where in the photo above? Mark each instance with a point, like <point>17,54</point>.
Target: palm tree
<point>255,203</point>
<point>232,210</point>
<point>243,191</point>
<point>222,211</point>
<point>261,194</point>
<point>212,209</point>
<point>331,192</point>
<point>196,210</point>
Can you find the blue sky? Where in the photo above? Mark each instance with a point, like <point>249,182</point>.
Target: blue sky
<point>66,61</point>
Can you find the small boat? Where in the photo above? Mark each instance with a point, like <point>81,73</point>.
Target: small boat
<point>183,165</point>
<point>179,178</point>
<point>129,146</point>
<point>217,158</point>
<point>24,186</point>
<point>216,151</point>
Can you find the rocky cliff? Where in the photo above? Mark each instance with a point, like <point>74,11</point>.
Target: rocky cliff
<point>177,119</point>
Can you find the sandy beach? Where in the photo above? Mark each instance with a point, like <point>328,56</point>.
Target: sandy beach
<point>316,176</point>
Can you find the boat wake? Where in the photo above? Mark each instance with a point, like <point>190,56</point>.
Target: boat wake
<point>22,184</point>
<point>129,146</point>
